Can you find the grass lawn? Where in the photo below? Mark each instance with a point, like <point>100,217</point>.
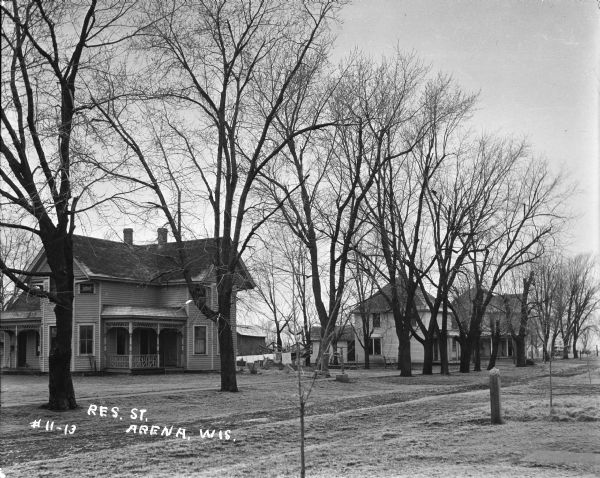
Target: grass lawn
<point>379,424</point>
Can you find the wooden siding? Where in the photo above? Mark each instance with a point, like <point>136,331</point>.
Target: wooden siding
<point>173,295</point>
<point>85,312</point>
<point>122,293</point>
<point>48,320</point>
<point>199,362</point>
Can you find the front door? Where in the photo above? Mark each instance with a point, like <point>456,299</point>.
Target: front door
<point>168,348</point>
<point>22,349</point>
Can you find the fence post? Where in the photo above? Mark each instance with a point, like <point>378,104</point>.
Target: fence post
<point>495,396</point>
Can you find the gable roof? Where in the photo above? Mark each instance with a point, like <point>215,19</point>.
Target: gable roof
<point>24,306</point>
<point>378,302</point>
<point>152,263</point>
<point>498,302</point>
<point>342,333</point>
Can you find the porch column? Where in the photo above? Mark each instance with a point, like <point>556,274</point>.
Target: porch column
<point>181,350</point>
<point>105,347</point>
<point>130,345</point>
<point>16,346</point>
<point>158,345</point>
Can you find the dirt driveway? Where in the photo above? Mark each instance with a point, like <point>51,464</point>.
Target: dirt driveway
<point>379,424</point>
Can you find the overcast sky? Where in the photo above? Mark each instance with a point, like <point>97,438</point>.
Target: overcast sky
<point>535,64</point>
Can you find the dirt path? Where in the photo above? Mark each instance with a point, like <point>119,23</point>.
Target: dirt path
<point>385,426</point>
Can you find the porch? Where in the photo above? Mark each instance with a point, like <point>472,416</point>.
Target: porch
<point>20,347</point>
<point>136,346</point>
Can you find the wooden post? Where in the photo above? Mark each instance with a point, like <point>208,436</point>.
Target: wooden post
<point>495,396</point>
<point>158,346</point>
<point>130,345</point>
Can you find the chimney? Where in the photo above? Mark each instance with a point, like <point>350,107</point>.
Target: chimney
<point>161,236</point>
<point>128,236</point>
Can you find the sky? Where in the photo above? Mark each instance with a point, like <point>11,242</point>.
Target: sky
<point>535,64</point>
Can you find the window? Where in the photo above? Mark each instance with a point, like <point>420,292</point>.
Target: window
<point>375,346</point>
<point>37,285</point>
<point>52,337</point>
<point>86,339</point>
<point>37,344</point>
<point>453,345</point>
<point>122,341</point>
<point>86,288</point>
<point>376,320</point>
<point>200,339</point>
<point>203,294</point>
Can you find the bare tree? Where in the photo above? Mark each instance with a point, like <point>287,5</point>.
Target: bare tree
<point>363,286</point>
<point>527,214</point>
<point>49,51</point>
<point>218,81</point>
<point>582,299</point>
<point>334,171</point>
<point>274,286</point>
<point>548,299</point>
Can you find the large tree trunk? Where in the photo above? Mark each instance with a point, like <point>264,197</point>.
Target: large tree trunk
<point>465,354</point>
<point>495,347</point>
<point>443,342</point>
<point>404,358</point>
<point>59,254</point>
<point>228,373</point>
<point>575,354</point>
<point>367,359</point>
<point>60,383</point>
<point>477,353</point>
<point>520,350</point>
<point>428,355</point>
<point>279,341</point>
<point>565,351</point>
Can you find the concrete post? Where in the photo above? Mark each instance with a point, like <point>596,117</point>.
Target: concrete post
<point>495,396</point>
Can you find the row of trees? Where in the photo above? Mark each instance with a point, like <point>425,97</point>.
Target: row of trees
<point>565,297</point>
<point>225,119</point>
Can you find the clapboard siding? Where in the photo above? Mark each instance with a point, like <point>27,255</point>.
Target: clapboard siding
<point>194,361</point>
<point>173,295</point>
<point>48,320</point>
<point>85,312</point>
<point>120,293</point>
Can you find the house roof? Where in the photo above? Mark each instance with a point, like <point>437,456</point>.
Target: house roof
<point>119,311</point>
<point>250,331</point>
<point>151,263</point>
<point>378,302</point>
<point>497,304</point>
<point>343,333</point>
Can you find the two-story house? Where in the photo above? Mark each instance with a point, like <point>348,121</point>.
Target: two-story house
<point>383,340</point>
<point>131,310</point>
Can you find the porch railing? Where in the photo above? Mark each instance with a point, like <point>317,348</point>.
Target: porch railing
<point>137,361</point>
<point>144,361</point>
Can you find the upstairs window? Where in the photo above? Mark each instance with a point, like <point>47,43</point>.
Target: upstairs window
<point>86,288</point>
<point>38,286</point>
<point>376,320</point>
